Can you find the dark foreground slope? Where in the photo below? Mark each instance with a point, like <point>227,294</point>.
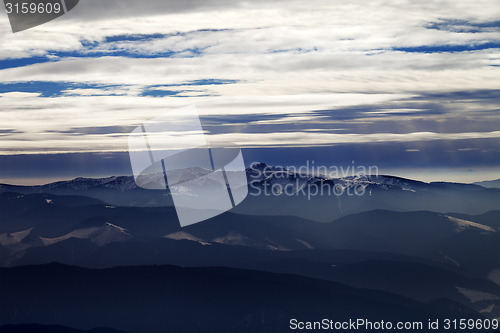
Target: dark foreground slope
<point>37,328</point>
<point>173,299</point>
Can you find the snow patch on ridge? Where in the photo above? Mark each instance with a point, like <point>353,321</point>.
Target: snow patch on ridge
<point>465,224</point>
<point>476,295</point>
<point>181,235</point>
<point>14,238</point>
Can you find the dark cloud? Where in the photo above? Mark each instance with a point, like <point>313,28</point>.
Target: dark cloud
<point>430,154</point>
<point>492,95</point>
<point>5,132</point>
<point>466,153</point>
<point>97,130</point>
<point>449,47</point>
<point>98,9</point>
<point>446,112</point>
<point>462,26</point>
<point>64,165</point>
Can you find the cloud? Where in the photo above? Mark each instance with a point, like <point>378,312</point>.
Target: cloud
<point>281,73</point>
<point>317,139</point>
<point>82,123</point>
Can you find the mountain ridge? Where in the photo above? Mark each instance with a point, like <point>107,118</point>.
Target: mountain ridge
<point>127,182</point>
<point>277,191</point>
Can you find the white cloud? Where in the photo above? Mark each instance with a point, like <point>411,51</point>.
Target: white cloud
<point>288,58</point>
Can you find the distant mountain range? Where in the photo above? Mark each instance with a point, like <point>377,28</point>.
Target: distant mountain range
<point>489,183</point>
<point>380,192</point>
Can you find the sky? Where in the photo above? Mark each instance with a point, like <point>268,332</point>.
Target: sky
<point>411,87</point>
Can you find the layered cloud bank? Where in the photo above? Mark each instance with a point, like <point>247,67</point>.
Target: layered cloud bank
<point>280,74</point>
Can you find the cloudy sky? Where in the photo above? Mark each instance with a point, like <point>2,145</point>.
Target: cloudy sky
<point>412,87</point>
